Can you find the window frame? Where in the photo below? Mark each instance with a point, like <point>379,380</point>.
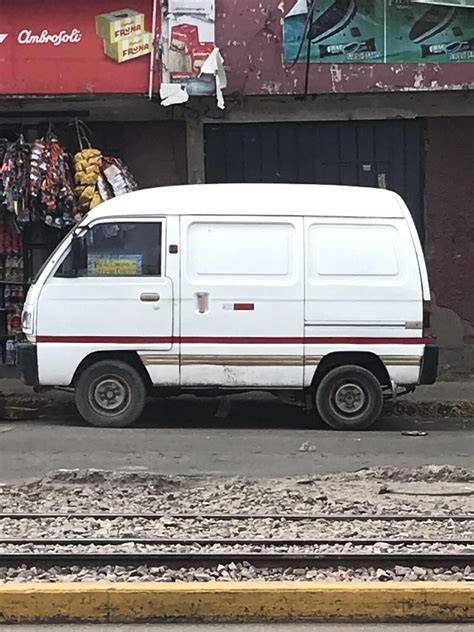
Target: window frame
<point>119,220</point>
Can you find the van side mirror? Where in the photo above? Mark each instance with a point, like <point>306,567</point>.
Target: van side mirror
<point>79,253</point>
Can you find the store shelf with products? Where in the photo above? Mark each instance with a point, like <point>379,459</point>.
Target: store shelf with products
<point>24,283</point>
<point>12,288</point>
<point>12,297</point>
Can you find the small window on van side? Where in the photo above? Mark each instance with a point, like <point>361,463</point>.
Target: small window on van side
<point>120,249</point>
<point>356,250</point>
<point>250,251</point>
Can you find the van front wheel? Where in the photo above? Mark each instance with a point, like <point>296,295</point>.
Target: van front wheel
<point>110,394</point>
<point>349,398</point>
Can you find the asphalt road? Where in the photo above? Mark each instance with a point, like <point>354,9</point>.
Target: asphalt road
<point>257,439</point>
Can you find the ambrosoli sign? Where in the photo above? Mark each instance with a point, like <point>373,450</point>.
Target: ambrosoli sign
<point>58,47</point>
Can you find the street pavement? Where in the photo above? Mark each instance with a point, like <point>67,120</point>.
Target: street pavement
<point>256,439</point>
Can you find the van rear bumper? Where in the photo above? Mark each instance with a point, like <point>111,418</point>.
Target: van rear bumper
<point>429,366</point>
<point>27,360</point>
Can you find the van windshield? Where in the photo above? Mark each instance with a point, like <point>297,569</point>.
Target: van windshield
<point>48,259</point>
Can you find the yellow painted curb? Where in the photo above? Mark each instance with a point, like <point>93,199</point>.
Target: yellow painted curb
<point>239,601</point>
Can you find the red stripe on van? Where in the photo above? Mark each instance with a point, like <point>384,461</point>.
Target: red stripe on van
<point>107,339</point>
<point>244,307</point>
<point>321,340</point>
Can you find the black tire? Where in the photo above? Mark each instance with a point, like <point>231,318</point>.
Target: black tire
<point>349,398</point>
<point>110,394</point>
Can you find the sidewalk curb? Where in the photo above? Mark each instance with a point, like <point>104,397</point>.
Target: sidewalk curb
<point>29,408</point>
<point>453,410</point>
<point>236,601</point>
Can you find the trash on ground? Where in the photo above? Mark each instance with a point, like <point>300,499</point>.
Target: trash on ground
<point>306,447</point>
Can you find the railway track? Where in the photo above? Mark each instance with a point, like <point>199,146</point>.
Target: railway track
<point>233,541</point>
<point>263,516</point>
<point>277,560</point>
<point>188,550</point>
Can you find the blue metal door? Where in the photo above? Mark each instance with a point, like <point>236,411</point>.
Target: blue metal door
<point>386,154</point>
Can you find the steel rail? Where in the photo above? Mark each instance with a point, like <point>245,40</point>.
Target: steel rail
<point>231,541</point>
<point>216,516</point>
<point>272,559</point>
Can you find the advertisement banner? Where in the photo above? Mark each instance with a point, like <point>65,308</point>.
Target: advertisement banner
<point>57,47</point>
<point>421,33</point>
<point>453,3</point>
<point>390,31</point>
<point>192,7</point>
<point>336,32</point>
<point>190,40</point>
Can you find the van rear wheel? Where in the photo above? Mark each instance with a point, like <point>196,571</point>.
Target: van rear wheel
<point>349,398</point>
<point>110,394</point>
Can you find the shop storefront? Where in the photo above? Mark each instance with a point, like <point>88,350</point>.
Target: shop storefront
<point>73,128</point>
<point>47,182</point>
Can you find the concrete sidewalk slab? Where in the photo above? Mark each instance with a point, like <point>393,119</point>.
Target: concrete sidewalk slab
<point>439,392</point>
<point>444,399</point>
<point>443,392</point>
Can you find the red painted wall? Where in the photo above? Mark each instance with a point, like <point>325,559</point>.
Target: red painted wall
<point>449,220</point>
<point>249,33</point>
<point>449,212</point>
<point>70,57</point>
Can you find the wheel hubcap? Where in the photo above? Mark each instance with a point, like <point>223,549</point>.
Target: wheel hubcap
<point>350,398</point>
<point>109,395</point>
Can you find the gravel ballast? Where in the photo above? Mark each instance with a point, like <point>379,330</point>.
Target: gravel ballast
<point>233,572</point>
<point>429,490</point>
<point>168,527</point>
<point>132,547</point>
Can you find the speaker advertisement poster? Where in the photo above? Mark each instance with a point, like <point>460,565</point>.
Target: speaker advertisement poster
<point>392,31</point>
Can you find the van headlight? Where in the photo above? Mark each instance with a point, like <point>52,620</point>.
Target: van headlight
<point>27,320</point>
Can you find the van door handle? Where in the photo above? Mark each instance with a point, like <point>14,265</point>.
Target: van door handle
<point>149,297</point>
<point>202,302</point>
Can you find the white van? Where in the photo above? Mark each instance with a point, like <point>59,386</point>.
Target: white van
<point>319,290</point>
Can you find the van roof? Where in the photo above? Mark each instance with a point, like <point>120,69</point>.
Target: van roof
<point>255,199</point>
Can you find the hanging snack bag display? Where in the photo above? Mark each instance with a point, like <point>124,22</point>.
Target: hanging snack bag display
<point>51,186</point>
<point>42,181</point>
<point>14,174</point>
<point>98,177</point>
<point>87,165</point>
<point>118,176</point>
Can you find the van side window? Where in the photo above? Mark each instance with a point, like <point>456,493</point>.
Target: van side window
<point>121,249</point>
<point>358,250</point>
<point>257,252</point>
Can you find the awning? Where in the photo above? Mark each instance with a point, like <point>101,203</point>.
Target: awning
<point>465,4</point>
